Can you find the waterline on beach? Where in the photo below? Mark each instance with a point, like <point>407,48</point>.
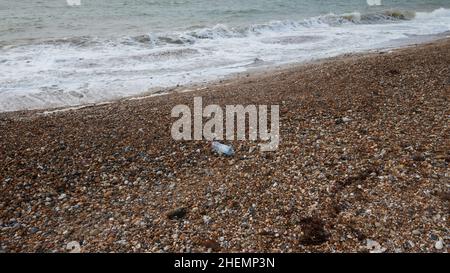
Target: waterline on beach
<point>57,72</point>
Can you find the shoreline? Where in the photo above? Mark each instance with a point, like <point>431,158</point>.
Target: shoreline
<point>362,166</point>
<point>252,72</point>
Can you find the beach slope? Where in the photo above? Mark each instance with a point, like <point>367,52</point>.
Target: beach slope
<point>362,166</point>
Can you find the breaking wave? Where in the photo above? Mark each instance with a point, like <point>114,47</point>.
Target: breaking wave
<point>80,70</point>
<point>221,31</point>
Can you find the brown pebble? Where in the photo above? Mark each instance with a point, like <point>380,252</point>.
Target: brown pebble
<point>177,213</point>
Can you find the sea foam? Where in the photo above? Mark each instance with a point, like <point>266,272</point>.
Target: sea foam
<point>81,70</point>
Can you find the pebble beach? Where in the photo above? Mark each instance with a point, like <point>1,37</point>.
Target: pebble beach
<point>362,166</point>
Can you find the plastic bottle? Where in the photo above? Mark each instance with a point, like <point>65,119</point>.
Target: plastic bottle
<point>222,149</point>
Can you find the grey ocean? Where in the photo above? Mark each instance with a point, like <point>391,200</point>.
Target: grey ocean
<point>53,54</point>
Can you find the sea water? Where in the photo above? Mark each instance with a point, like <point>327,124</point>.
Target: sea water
<point>57,53</point>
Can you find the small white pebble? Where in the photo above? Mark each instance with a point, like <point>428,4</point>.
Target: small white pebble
<point>62,196</point>
<point>439,245</point>
<point>73,247</point>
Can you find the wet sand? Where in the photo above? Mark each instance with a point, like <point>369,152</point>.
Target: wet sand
<point>362,166</point>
